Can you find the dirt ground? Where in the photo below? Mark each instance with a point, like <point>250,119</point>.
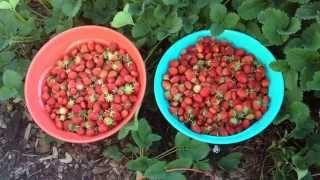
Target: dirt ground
<point>27,153</point>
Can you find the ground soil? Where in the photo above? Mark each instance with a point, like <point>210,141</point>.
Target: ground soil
<point>27,153</point>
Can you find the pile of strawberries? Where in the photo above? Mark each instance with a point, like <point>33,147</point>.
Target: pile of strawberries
<point>91,89</point>
<point>216,88</point>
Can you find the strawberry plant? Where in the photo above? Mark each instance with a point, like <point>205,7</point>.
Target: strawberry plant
<point>190,155</point>
<point>289,28</point>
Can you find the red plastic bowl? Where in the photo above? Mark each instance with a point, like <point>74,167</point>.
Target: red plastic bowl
<point>50,53</point>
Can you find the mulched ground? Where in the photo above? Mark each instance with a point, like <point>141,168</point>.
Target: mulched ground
<point>27,153</point>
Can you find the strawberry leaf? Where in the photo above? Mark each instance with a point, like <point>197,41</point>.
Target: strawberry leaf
<point>124,131</point>
<point>280,65</point>
<point>71,7</point>
<point>122,18</point>
<point>189,148</point>
<point>7,93</point>
<point>250,9</point>
<point>170,2</point>
<point>175,176</point>
<point>308,11</point>
<point>230,162</point>
<point>302,129</point>
<point>274,20</point>
<point>179,163</point>
<point>306,75</point>
<point>216,29</point>
<point>315,83</point>
<point>113,152</point>
<point>299,1</point>
<point>298,58</point>
<point>300,115</point>
<point>217,12</point>
<point>291,79</point>
<point>173,24</point>
<point>144,137</point>
<point>231,20</point>
<point>12,79</point>
<point>295,94</point>
<point>299,111</point>
<point>292,28</point>
<point>311,36</point>
<point>156,171</point>
<point>255,30</point>
<point>141,164</point>
<point>5,5</point>
<point>202,165</point>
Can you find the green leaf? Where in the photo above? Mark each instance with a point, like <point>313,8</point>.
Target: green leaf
<point>293,43</point>
<point>299,114</point>
<point>130,149</point>
<point>156,171</point>
<point>216,29</point>
<point>175,176</point>
<point>274,20</point>
<point>141,164</point>
<point>144,137</point>
<point>173,24</point>
<point>299,1</point>
<point>71,7</point>
<point>13,3</point>
<point>306,76</point>
<point>293,95</point>
<point>124,131</point>
<point>301,173</point>
<point>254,29</point>
<point>311,36</point>
<point>291,79</point>
<point>299,161</point>
<point>250,9</point>
<point>7,93</point>
<point>140,29</point>
<point>96,10</point>
<point>189,148</point>
<point>308,11</point>
<point>113,152</point>
<point>298,58</point>
<point>19,65</point>
<point>280,65</point>
<point>12,79</point>
<point>179,163</point>
<point>230,162</point>
<point>315,83</point>
<point>231,20</point>
<point>299,111</point>
<point>313,155</point>
<point>217,12</point>
<point>170,2</point>
<point>202,165</point>
<point>121,19</point>
<point>293,27</point>
<point>5,5</point>
<point>278,174</point>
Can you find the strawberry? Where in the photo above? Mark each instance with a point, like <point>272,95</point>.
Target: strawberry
<point>196,128</point>
<point>223,86</point>
<point>82,89</point>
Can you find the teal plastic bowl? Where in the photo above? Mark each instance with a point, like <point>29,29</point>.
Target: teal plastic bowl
<point>237,39</point>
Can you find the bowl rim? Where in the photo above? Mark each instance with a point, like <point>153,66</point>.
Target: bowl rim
<point>51,42</point>
<point>243,135</point>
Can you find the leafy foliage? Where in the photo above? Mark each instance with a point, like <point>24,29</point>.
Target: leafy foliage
<point>189,148</point>
<point>112,152</point>
<point>291,29</point>
<point>230,162</point>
